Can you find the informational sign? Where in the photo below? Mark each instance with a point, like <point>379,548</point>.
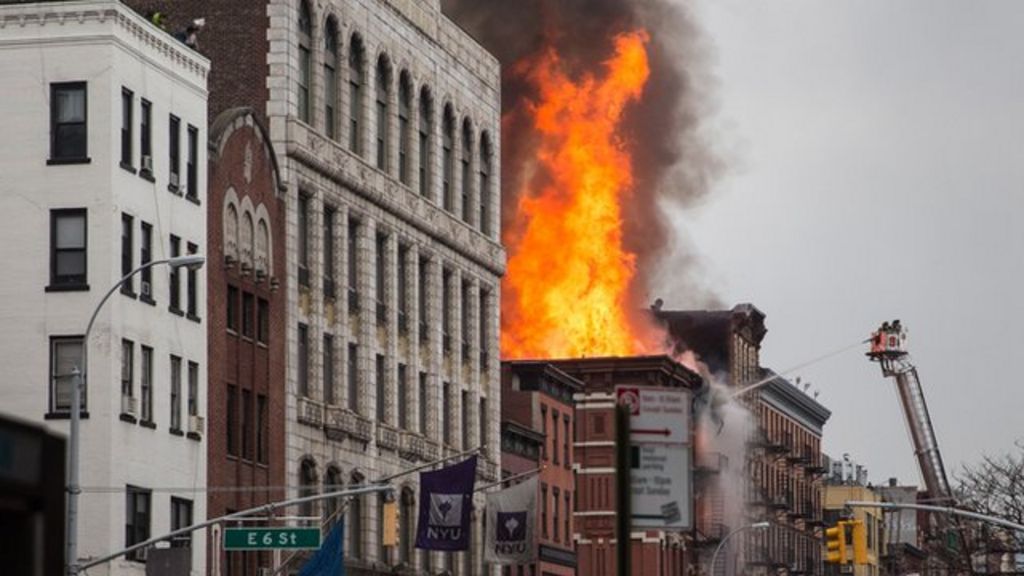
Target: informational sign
<point>271,538</point>
<point>657,415</point>
<point>661,456</point>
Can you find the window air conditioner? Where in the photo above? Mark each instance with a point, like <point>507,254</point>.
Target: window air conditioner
<point>146,289</point>
<point>129,404</point>
<point>196,424</point>
<point>147,163</point>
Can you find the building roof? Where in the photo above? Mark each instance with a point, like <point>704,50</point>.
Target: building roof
<point>603,372</point>
<point>783,395</point>
<point>707,332</point>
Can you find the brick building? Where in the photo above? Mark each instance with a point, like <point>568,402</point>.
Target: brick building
<point>386,119</point>
<point>597,501</point>
<point>539,396</point>
<point>246,303</point>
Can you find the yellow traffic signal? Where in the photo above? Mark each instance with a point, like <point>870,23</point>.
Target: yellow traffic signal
<point>390,535</point>
<point>835,544</point>
<point>860,542</point>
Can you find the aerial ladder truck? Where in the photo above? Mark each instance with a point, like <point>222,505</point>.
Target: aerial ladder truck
<point>889,349</point>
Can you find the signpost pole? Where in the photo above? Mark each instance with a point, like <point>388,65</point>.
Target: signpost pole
<point>623,490</point>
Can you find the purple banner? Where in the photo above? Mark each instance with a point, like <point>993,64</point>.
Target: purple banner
<point>446,497</point>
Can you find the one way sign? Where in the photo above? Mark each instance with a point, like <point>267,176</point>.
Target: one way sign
<point>657,415</point>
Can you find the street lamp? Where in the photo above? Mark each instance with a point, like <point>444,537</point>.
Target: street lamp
<point>754,526</point>
<point>190,261</point>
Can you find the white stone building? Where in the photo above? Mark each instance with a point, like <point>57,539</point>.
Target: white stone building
<point>387,116</point>
<point>102,168</point>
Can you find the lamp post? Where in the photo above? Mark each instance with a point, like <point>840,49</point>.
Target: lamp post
<point>192,262</point>
<point>714,557</point>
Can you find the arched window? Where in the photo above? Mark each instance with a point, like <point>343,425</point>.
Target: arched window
<point>466,175</point>
<point>404,129</point>
<point>330,77</point>
<point>307,487</point>
<point>485,184</point>
<point>354,524</point>
<point>383,94</point>
<point>247,239</point>
<point>406,513</point>
<point>332,483</point>
<point>231,232</point>
<point>447,158</point>
<point>426,137</point>
<point>262,247</point>
<point>305,59</point>
<point>356,81</point>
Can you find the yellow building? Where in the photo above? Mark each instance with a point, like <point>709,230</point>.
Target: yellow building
<point>835,498</point>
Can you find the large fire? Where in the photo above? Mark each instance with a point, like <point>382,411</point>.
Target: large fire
<point>568,285</point>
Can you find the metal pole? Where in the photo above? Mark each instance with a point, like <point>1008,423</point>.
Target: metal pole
<point>941,509</point>
<point>79,382</point>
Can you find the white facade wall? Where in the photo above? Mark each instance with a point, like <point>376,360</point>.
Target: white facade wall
<point>109,47</point>
<point>419,41</point>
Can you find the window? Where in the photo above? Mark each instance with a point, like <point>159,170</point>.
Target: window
<point>403,398</point>
<point>381,389</point>
<point>68,241</point>
<point>356,80</point>
<point>446,414</point>
<point>146,385</point>
<point>193,389</point>
<point>127,228</point>
<point>65,357</point>
<point>353,265</point>
<point>482,328</point>
<point>329,252</point>
<point>544,509</point>
<point>145,256</point>
<point>406,523</point>
<point>355,522</point>
<point>181,517</point>
<point>263,322</point>
<point>246,415</point>
<point>554,513</point>
<point>426,132</point>
<point>484,419</point>
<point>464,298</point>
<point>192,165</point>
<point>68,121</point>
<point>404,127</point>
<point>423,403</point>
<point>232,308</point>
<point>383,94</point>
<point>381,277</point>
<point>307,487</point>
<point>330,78</point>
<point>175,282</point>
<point>303,240</point>
<point>352,373</point>
<point>568,516</point>
<point>421,289</point>
<point>127,108</point>
<point>544,431</point>
<point>174,152</point>
<point>447,159</point>
<point>565,440</point>
<point>145,138</point>
<point>248,313</point>
<point>127,369</point>
<point>261,428</point>
<point>446,315</point>
<point>303,376</point>
<point>403,288</point>
<point>332,483</point>
<point>554,436</point>
<point>467,177</point>
<point>232,420</point>
<point>305,59</point>
<point>328,369</point>
<point>175,394</point>
<point>485,185</point>
<point>191,285</point>
<point>137,519</point>
<point>464,419</point>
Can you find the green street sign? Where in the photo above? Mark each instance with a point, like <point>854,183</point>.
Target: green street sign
<point>271,538</point>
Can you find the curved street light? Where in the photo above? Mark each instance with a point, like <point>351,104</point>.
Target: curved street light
<point>754,526</point>
<point>190,261</point>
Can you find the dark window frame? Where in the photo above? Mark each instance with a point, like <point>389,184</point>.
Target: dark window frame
<point>127,129</point>
<point>57,155</point>
<point>174,277</point>
<point>138,524</point>
<point>192,164</point>
<point>56,380</point>
<point>174,153</point>
<point>145,138</point>
<point>68,282</point>
<point>127,253</point>
<point>146,256</point>
<point>181,517</point>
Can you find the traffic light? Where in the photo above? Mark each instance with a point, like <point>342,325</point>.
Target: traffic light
<point>860,542</point>
<point>390,535</point>
<point>835,543</point>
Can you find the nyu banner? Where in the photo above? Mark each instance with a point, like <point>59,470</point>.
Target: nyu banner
<point>446,497</point>
<point>511,516</point>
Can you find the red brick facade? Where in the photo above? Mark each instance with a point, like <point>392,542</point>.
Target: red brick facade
<point>246,299</point>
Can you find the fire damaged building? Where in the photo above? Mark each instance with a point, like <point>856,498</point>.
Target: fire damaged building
<point>781,470</point>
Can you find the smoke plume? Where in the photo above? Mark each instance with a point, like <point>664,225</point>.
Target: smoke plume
<point>673,162</point>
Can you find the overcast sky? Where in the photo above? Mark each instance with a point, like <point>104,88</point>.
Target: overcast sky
<point>876,154</point>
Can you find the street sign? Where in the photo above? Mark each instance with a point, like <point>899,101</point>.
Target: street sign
<point>271,538</point>
<point>660,484</point>
<point>656,415</point>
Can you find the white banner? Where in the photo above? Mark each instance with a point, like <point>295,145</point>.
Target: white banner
<point>511,522</point>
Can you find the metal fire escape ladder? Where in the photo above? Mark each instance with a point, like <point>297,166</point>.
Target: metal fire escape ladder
<point>926,447</point>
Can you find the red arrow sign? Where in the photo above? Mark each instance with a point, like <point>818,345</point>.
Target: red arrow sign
<point>662,432</point>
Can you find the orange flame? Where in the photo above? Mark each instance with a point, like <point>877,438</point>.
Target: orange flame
<point>566,292</point>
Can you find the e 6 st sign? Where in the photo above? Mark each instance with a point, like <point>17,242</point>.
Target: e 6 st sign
<point>271,538</point>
